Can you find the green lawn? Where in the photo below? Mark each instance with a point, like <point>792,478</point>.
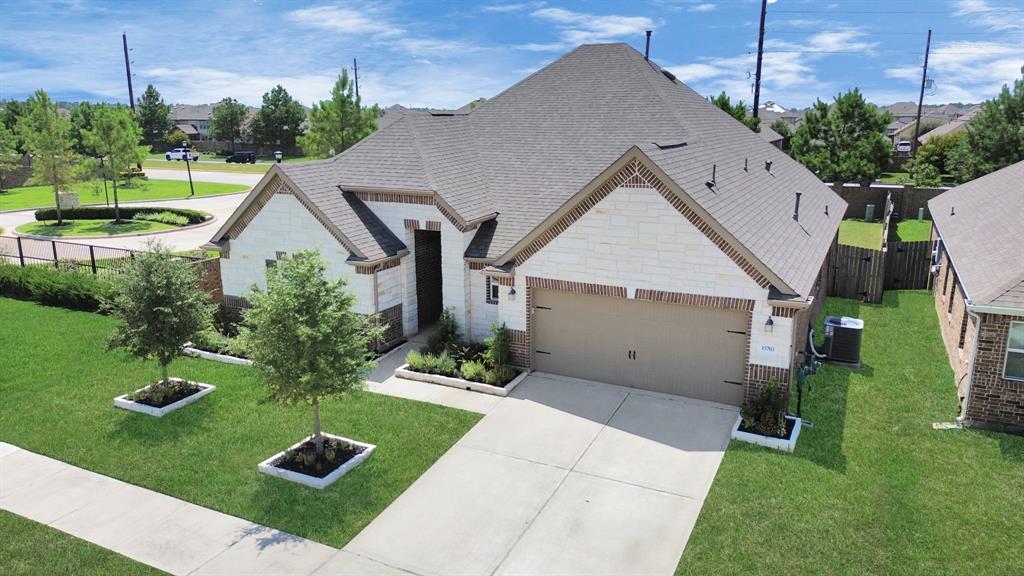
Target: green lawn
<point>872,488</point>
<point>861,233</point>
<point>88,193</point>
<point>894,178</point>
<point>57,382</point>
<point>29,549</point>
<point>91,227</point>
<point>204,166</point>
<point>913,230</point>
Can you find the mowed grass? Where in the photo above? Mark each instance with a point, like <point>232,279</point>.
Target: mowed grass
<point>30,549</point>
<point>58,381</point>
<point>861,233</point>
<point>27,197</point>
<point>204,166</point>
<point>92,227</point>
<point>872,488</point>
<point>913,230</point>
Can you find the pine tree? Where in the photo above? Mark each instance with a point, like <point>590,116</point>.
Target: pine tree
<point>227,120</point>
<point>154,115</point>
<point>46,134</point>
<point>737,111</point>
<point>338,123</point>
<point>846,142</point>
<point>279,120</point>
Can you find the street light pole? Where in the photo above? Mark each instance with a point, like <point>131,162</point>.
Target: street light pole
<point>188,154</point>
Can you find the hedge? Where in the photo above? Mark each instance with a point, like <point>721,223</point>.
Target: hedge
<point>127,213</point>
<point>67,289</point>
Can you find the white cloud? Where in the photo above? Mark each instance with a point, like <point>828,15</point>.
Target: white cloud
<point>583,28</point>
<point>367,20</point>
<point>965,71</point>
<point>541,47</point>
<point>706,7</point>
<point>980,12</point>
<point>510,7</point>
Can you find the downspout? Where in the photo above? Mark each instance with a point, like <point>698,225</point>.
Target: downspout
<point>376,299</point>
<point>970,366</point>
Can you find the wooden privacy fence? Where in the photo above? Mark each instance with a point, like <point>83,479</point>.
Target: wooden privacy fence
<point>865,274</point>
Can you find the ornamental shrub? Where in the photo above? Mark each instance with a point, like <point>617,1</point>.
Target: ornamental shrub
<point>107,213</point>
<point>474,371</point>
<point>77,290</point>
<point>446,336</point>
<point>163,217</point>
<point>766,414</point>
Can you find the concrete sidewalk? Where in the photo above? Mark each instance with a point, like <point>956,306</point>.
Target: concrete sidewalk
<point>158,530</point>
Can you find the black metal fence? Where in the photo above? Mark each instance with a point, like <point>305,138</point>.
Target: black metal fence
<point>98,260</point>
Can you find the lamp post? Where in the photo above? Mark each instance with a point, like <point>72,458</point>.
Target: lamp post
<point>103,175</point>
<point>188,166</point>
<point>278,155</point>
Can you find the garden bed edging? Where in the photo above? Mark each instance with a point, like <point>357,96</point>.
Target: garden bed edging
<point>124,403</point>
<point>783,444</point>
<point>268,467</point>
<point>197,353</point>
<point>403,371</point>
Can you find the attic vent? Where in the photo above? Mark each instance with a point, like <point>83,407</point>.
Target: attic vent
<point>432,113</point>
<point>669,75</point>
<point>669,146</point>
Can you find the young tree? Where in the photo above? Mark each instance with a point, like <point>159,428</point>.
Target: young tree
<point>304,337</point>
<point>737,111</point>
<point>175,137</point>
<point>10,158</point>
<point>46,134</point>
<point>227,120</point>
<point>81,120</point>
<point>340,122</point>
<point>154,115</point>
<point>11,112</point>
<point>115,136</point>
<point>933,159</point>
<point>995,136</point>
<point>845,143</point>
<point>279,120</point>
<point>160,305</point>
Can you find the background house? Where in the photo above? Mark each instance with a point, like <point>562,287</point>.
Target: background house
<point>979,294</point>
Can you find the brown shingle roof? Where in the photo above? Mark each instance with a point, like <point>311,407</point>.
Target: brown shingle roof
<point>982,228</point>
<point>528,150</point>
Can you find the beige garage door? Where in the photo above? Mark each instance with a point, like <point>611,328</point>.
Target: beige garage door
<point>683,350</point>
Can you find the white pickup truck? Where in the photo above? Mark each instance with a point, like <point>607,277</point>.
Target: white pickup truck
<point>181,154</point>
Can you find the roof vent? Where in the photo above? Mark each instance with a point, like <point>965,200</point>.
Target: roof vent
<point>826,209</point>
<point>952,210</point>
<point>796,209</point>
<point>745,164</point>
<point>768,165</point>
<point>669,75</point>
<point>669,146</point>
<point>711,183</point>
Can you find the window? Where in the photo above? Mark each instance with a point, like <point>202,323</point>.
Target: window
<point>492,291</point>
<point>1014,368</point>
<point>271,263</point>
<point>952,294</point>
<point>945,279</point>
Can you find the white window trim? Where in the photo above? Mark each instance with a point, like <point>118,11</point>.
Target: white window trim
<point>1006,356</point>
<point>491,288</point>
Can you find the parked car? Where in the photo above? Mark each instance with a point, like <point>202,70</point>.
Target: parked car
<point>181,154</point>
<point>242,157</point>
<point>903,146</point>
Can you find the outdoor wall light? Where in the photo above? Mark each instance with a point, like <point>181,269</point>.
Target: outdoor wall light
<point>512,293</point>
<point>278,155</point>
<point>769,324</point>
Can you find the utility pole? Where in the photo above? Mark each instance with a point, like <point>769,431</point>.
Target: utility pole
<point>355,70</point>
<point>920,99</point>
<point>760,56</point>
<point>128,71</point>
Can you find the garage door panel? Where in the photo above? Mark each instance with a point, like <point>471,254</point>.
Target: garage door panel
<point>676,349</point>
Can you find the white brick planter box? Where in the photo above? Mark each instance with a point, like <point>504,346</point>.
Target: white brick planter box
<point>197,353</point>
<point>403,371</point>
<point>268,467</point>
<point>126,404</point>
<point>784,444</point>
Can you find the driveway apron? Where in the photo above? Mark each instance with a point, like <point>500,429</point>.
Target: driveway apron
<point>562,477</point>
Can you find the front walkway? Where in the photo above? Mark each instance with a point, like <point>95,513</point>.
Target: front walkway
<point>163,532</point>
<point>563,477</point>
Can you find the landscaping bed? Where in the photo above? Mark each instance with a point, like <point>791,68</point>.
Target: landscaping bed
<point>449,361</point>
<point>161,398</point>
<point>300,464</point>
<point>872,488</point>
<point>208,453</point>
<point>100,221</point>
<point>785,441</point>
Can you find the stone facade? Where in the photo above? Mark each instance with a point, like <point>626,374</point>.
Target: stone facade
<point>994,401</point>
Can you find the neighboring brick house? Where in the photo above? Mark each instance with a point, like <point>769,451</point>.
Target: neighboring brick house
<point>979,295</point>
<point>620,225</point>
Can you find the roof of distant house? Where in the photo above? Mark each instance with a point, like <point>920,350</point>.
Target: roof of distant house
<point>520,156</point>
<point>982,228</point>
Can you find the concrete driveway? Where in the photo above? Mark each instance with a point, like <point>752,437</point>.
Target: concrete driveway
<point>563,477</point>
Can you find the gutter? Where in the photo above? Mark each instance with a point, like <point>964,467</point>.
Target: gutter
<point>970,366</point>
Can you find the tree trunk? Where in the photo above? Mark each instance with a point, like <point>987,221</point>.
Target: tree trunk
<point>117,207</point>
<point>318,438</point>
<point>163,368</point>
<point>56,200</point>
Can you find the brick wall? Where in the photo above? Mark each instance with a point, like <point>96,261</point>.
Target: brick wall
<point>210,280</point>
<point>995,402</point>
<point>954,325</point>
<point>391,319</point>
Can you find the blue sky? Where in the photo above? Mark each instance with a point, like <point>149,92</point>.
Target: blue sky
<point>444,54</point>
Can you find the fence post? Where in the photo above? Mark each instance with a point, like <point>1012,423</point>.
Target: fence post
<point>53,244</point>
<point>92,259</point>
<point>21,253</point>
